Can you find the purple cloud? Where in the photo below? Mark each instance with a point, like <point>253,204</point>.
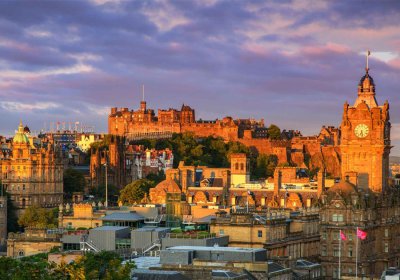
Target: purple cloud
<point>284,61</point>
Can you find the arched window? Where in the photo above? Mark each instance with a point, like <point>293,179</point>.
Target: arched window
<point>21,253</point>
<point>242,166</point>
<point>23,202</point>
<point>237,166</point>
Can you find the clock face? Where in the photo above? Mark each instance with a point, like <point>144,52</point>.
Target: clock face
<point>361,130</point>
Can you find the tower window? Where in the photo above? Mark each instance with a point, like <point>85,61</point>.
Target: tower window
<point>241,166</point>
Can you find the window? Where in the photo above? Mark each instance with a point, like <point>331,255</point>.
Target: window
<point>337,218</point>
<point>221,232</point>
<point>323,251</point>
<point>336,252</point>
<point>259,234</point>
<point>386,232</point>
<point>386,247</point>
<point>324,236</point>
<point>350,236</point>
<point>21,253</point>
<point>241,166</point>
<point>350,252</point>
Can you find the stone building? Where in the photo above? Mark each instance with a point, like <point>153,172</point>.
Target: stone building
<point>287,235</point>
<point>32,171</point>
<point>32,241</point>
<point>125,162</point>
<point>363,198</point>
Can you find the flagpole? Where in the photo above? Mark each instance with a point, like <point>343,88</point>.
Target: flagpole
<point>357,254</point>
<point>247,201</point>
<point>340,249</point>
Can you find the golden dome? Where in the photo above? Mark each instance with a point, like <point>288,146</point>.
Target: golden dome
<point>20,136</point>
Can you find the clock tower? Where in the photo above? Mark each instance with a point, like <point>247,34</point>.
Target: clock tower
<point>365,139</point>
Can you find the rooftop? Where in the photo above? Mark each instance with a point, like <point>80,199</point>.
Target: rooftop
<point>123,216</point>
<point>109,228</point>
<point>205,248</point>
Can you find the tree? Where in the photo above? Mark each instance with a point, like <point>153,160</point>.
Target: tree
<point>105,265</point>
<point>274,132</point>
<point>35,216</point>
<point>134,192</point>
<point>74,181</point>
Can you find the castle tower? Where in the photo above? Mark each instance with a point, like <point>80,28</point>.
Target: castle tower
<point>240,169</point>
<point>365,138</point>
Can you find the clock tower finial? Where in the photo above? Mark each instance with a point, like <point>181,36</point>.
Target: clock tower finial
<point>366,88</point>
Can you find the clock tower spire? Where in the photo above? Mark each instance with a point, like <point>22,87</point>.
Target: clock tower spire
<point>365,138</point>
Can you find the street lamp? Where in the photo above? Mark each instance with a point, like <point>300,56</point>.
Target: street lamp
<point>106,203</point>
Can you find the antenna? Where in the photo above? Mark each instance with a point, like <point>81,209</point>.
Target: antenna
<point>368,54</point>
<point>142,92</point>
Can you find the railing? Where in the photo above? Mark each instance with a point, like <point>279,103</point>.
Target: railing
<point>155,220</point>
<point>87,244</point>
<point>191,236</point>
<point>148,249</point>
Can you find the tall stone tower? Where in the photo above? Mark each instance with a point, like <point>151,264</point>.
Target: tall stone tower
<point>365,139</point>
<point>240,169</point>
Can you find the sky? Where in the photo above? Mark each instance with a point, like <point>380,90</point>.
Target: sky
<point>292,63</point>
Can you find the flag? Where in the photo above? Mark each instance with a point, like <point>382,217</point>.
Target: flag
<point>368,53</point>
<point>342,236</point>
<point>361,234</point>
<point>249,192</point>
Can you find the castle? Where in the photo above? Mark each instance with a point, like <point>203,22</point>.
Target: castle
<point>143,123</point>
<point>32,171</point>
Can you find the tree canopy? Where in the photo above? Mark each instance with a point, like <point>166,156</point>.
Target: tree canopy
<point>135,191</point>
<point>74,181</point>
<point>274,132</point>
<point>35,216</point>
<point>103,265</point>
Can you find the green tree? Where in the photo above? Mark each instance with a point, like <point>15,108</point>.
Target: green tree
<point>156,178</point>
<point>74,181</point>
<point>274,132</point>
<point>105,265</point>
<point>35,216</point>
<point>134,192</point>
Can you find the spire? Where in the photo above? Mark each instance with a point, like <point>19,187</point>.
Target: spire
<point>366,87</point>
<point>142,92</point>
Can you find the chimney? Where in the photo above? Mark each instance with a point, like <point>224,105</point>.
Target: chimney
<point>277,181</point>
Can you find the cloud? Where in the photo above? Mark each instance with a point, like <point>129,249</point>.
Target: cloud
<point>19,107</point>
<point>288,62</point>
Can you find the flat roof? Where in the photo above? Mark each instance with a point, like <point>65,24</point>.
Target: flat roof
<point>152,229</point>
<point>216,248</point>
<point>123,216</point>
<point>109,228</point>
